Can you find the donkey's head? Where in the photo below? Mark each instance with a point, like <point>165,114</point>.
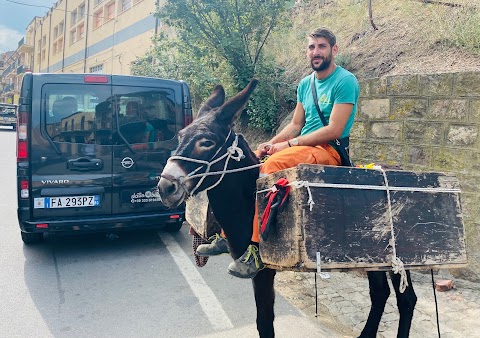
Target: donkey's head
<point>206,139</point>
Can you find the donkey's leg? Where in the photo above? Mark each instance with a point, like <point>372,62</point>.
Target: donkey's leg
<point>264,299</point>
<point>405,302</point>
<point>379,292</point>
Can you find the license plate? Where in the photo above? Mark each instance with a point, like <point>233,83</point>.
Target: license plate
<point>66,202</point>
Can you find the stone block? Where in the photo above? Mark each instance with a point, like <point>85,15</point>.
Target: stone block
<point>386,130</point>
<point>462,135</point>
<point>364,90</point>
<point>475,161</point>
<point>355,151</point>
<point>436,84</point>
<point>375,108</point>
<point>429,133</point>
<point>470,208</point>
<point>475,117</point>
<point>373,87</point>
<point>419,155</point>
<point>456,110</point>
<point>467,84</point>
<point>403,85</point>
<point>412,108</point>
<point>386,153</point>
<point>450,159</point>
<point>358,131</point>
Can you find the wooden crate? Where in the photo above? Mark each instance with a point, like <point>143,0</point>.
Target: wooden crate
<point>349,225</point>
<point>200,217</point>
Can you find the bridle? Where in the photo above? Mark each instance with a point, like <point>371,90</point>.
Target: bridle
<point>232,152</point>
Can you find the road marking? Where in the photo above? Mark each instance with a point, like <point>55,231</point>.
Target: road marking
<point>209,303</point>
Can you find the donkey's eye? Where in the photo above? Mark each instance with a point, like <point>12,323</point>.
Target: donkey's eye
<point>207,144</point>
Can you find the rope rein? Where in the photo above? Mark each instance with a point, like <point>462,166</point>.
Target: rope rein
<point>397,264</point>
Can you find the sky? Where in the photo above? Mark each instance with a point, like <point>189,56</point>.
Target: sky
<point>14,18</point>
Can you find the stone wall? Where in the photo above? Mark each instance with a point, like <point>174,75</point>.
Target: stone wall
<point>426,123</point>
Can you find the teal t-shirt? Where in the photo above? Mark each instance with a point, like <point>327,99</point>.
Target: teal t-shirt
<point>149,128</point>
<point>339,87</point>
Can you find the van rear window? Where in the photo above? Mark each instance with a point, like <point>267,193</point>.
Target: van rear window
<point>93,114</point>
<point>78,113</point>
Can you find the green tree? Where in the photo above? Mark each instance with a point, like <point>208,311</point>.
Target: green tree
<point>220,41</point>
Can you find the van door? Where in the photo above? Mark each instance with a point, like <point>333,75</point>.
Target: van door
<point>148,119</point>
<point>71,157</point>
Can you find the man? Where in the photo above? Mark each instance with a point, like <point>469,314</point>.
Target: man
<point>305,139</point>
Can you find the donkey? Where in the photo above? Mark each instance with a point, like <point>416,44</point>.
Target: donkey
<point>209,147</point>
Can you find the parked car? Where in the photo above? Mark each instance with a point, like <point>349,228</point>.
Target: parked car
<point>90,151</point>
<point>8,116</point>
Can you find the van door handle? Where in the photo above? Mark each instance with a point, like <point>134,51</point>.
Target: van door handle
<point>85,164</point>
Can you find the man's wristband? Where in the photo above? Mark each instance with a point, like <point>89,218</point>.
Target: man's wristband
<point>288,142</point>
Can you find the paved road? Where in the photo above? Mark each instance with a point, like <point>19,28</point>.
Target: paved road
<point>344,304</point>
<point>142,284</point>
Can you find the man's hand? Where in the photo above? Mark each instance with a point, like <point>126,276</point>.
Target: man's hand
<point>277,147</point>
<point>263,149</point>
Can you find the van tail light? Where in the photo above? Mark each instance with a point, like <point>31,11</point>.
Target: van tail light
<point>22,136</point>
<point>24,189</point>
<point>42,226</point>
<point>174,216</point>
<point>95,79</point>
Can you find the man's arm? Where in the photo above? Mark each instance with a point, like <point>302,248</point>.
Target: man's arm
<point>290,131</point>
<point>338,120</point>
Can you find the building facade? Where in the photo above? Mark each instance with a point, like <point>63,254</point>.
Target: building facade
<point>93,36</point>
<point>15,64</point>
<point>81,36</point>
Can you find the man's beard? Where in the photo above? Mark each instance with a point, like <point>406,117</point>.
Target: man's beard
<point>324,65</point>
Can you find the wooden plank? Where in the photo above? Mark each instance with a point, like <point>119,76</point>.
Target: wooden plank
<point>351,228</point>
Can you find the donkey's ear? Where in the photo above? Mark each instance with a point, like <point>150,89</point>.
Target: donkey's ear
<point>216,99</point>
<point>233,107</point>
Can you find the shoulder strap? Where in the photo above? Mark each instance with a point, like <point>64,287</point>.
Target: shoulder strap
<point>315,100</point>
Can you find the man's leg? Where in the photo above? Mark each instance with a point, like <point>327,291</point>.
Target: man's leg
<point>250,262</point>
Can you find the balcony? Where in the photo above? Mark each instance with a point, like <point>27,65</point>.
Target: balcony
<point>23,47</point>
<point>22,69</point>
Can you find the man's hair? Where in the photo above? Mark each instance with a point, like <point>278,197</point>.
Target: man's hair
<point>325,33</point>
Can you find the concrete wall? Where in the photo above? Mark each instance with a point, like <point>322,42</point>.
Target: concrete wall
<point>426,123</point>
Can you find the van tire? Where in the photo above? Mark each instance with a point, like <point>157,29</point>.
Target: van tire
<point>32,237</point>
<point>173,227</point>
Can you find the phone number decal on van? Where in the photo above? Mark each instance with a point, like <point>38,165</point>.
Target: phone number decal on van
<point>66,202</point>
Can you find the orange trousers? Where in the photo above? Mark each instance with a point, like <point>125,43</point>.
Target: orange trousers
<point>291,157</point>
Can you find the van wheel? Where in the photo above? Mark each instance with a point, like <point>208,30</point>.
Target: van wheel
<point>173,227</point>
<point>31,237</point>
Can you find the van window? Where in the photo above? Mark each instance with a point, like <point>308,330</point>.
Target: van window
<point>78,113</point>
<point>146,116</point>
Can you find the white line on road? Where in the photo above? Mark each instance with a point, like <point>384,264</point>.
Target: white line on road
<point>209,303</point>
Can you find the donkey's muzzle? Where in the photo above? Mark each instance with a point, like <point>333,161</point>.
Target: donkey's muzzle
<point>171,191</point>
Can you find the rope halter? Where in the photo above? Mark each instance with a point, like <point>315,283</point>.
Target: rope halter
<point>233,152</point>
